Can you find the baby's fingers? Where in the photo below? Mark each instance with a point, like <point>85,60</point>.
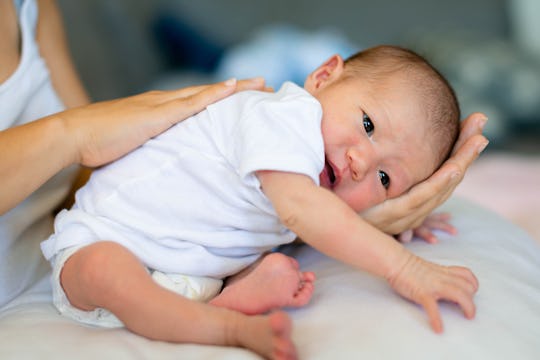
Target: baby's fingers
<point>466,275</point>
<point>406,236</point>
<point>425,233</point>
<point>457,295</point>
<point>464,298</point>
<point>468,307</point>
<point>432,309</point>
<point>460,289</point>
<point>439,222</point>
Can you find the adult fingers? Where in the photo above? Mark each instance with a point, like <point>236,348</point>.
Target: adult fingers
<point>410,209</point>
<point>448,177</point>
<point>407,211</point>
<point>185,106</point>
<point>252,84</point>
<point>472,125</point>
<point>216,91</point>
<point>418,209</point>
<point>466,154</point>
<point>444,181</point>
<point>428,191</point>
<point>440,216</point>
<point>450,174</point>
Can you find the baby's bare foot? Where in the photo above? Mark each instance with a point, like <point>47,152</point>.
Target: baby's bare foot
<point>275,282</point>
<point>269,336</point>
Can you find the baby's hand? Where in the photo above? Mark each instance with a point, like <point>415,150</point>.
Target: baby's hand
<point>438,221</point>
<point>426,283</point>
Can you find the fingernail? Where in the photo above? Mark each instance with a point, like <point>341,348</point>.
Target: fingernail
<point>482,122</point>
<point>483,146</point>
<point>230,82</point>
<point>454,176</point>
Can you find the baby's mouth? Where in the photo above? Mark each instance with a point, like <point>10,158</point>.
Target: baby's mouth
<point>328,178</point>
<point>331,174</point>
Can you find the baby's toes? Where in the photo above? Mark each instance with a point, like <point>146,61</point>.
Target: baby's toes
<point>307,276</point>
<point>303,295</point>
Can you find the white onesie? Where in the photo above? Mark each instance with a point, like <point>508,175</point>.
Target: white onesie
<point>188,201</point>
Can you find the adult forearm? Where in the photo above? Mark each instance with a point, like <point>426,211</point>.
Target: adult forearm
<point>96,134</point>
<point>31,154</point>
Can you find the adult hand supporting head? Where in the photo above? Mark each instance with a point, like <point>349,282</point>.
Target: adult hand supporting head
<point>96,134</point>
<point>409,210</point>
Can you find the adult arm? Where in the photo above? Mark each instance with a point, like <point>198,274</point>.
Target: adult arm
<point>98,128</point>
<point>96,134</point>
<point>408,211</point>
<point>326,223</point>
<point>54,49</point>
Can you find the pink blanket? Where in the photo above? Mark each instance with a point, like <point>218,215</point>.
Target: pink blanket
<point>508,185</point>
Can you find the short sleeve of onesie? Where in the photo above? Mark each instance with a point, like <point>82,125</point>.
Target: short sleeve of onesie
<point>280,132</point>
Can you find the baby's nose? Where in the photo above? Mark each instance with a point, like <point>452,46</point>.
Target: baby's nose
<point>357,164</point>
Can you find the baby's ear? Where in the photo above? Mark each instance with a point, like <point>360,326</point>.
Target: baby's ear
<point>325,74</point>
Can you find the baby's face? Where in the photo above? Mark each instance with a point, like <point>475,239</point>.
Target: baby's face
<point>375,140</point>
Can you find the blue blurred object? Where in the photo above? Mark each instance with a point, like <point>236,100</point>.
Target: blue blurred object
<point>184,46</point>
<point>277,52</point>
<point>283,53</point>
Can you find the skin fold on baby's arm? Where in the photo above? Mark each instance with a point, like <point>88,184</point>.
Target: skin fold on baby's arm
<point>328,224</point>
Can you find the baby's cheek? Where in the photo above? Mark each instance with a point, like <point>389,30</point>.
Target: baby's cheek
<point>361,198</point>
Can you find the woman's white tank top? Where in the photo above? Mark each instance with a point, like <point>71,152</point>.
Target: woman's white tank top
<point>25,96</point>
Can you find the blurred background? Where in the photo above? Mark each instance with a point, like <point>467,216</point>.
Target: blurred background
<point>488,49</point>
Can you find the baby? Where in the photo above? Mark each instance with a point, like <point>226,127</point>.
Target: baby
<point>152,236</point>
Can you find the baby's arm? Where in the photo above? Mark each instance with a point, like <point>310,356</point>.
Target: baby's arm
<point>325,222</point>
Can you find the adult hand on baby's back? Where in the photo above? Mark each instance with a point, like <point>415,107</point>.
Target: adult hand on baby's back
<point>409,210</point>
<point>105,131</point>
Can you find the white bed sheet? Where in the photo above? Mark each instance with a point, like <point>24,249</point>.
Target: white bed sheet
<point>352,314</point>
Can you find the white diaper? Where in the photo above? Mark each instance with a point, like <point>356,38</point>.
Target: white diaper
<point>196,288</point>
<point>192,287</point>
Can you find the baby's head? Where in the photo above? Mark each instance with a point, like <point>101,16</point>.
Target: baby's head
<point>389,120</point>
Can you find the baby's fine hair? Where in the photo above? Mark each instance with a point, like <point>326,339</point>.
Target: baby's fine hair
<point>438,97</point>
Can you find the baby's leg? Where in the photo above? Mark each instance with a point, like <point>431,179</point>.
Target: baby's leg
<point>107,275</point>
<point>273,282</point>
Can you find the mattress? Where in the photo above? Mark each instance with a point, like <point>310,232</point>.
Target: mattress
<point>352,314</point>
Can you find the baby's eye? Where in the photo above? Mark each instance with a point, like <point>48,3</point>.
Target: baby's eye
<point>385,179</point>
<point>368,125</point>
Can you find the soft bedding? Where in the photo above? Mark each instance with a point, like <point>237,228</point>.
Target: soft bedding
<point>352,315</point>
